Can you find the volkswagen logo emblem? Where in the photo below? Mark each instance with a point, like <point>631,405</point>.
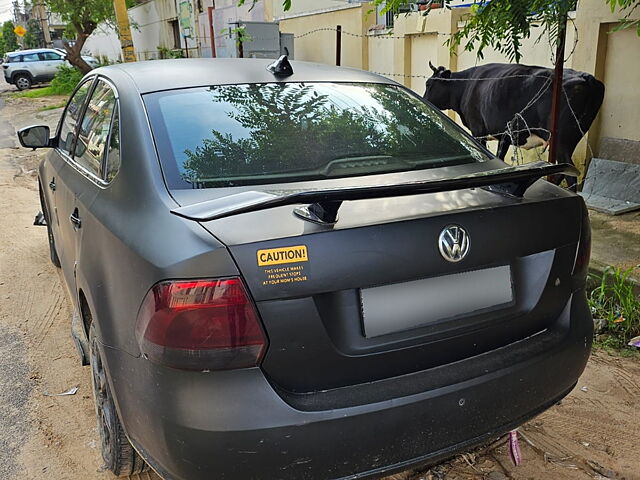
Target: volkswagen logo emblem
<point>453,243</point>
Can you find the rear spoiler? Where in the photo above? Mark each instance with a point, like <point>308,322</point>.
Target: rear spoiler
<point>323,205</point>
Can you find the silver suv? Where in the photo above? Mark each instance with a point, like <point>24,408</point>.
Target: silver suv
<point>26,67</point>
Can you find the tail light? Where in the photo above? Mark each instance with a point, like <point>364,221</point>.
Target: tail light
<point>200,325</point>
<point>583,253</point>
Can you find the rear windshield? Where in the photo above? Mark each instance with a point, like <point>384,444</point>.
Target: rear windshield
<point>287,132</point>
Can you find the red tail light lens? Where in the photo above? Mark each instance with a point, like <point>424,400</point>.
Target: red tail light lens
<point>201,324</point>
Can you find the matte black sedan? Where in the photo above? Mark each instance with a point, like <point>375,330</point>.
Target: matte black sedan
<point>295,271</point>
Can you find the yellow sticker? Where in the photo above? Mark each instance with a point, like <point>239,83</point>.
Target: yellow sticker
<point>278,256</point>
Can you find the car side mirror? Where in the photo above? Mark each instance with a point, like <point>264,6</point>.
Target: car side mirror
<point>36,136</point>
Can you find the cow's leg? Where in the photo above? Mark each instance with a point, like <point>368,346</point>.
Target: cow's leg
<point>503,146</point>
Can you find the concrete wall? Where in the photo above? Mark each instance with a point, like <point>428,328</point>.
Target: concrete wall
<point>321,46</point>
<point>151,28</point>
<point>103,42</point>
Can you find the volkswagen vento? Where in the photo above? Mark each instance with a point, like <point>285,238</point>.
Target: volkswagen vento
<point>289,270</point>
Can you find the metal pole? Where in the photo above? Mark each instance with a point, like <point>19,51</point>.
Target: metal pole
<point>338,44</point>
<point>186,47</point>
<point>211,33</point>
<point>557,88</point>
<point>124,31</point>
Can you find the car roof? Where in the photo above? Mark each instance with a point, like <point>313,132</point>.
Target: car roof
<point>31,50</point>
<point>158,75</point>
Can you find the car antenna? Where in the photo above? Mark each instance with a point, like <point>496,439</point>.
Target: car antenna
<point>324,213</point>
<point>281,67</point>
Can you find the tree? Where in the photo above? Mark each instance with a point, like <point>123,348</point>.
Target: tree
<point>294,128</point>
<point>82,18</point>
<point>32,38</point>
<point>9,38</point>
<point>503,24</point>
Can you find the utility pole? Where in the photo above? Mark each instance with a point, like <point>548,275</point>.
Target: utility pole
<point>42,17</point>
<point>124,31</point>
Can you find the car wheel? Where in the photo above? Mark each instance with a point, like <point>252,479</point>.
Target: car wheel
<point>53,253</point>
<point>23,82</point>
<point>118,454</point>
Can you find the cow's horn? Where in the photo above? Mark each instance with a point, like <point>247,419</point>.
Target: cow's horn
<point>432,67</point>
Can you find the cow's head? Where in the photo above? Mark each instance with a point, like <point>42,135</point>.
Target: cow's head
<point>438,89</point>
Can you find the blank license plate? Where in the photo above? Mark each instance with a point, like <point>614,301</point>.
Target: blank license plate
<point>401,306</point>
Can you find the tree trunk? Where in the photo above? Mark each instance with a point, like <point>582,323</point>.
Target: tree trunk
<point>74,56</point>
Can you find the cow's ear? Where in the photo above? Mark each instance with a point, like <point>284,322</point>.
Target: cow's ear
<point>446,74</point>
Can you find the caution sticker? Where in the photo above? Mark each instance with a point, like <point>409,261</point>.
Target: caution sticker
<point>279,256</point>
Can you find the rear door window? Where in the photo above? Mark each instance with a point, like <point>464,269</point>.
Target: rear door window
<point>30,57</point>
<point>93,134</point>
<point>231,135</point>
<point>70,118</point>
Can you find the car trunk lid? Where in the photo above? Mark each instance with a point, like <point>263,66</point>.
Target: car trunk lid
<point>342,303</point>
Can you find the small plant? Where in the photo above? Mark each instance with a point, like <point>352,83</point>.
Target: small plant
<point>66,80</point>
<point>166,53</point>
<point>104,60</point>
<point>616,304</point>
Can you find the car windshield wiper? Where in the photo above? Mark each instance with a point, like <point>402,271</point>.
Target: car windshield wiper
<point>323,204</point>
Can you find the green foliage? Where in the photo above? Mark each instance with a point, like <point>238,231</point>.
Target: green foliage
<point>9,40</point>
<point>83,16</point>
<point>296,129</point>
<point>627,7</point>
<point>166,53</point>
<point>34,32</point>
<point>615,302</point>
<point>278,117</point>
<point>34,93</point>
<point>66,80</point>
<point>240,32</point>
<point>502,25</point>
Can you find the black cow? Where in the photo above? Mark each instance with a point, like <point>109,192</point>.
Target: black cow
<point>512,104</point>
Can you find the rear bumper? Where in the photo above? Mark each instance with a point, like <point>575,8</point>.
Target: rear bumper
<point>233,425</point>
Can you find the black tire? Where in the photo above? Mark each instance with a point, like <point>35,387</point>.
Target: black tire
<point>22,81</point>
<point>118,454</point>
<point>53,253</point>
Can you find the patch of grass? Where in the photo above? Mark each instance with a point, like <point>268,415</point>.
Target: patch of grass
<point>611,344</point>
<point>52,107</point>
<point>35,93</point>
<point>63,83</point>
<point>615,302</point>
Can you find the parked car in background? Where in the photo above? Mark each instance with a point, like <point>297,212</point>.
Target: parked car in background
<point>25,68</point>
<point>298,271</point>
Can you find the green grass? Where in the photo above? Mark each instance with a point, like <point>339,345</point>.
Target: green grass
<point>35,93</point>
<point>615,301</point>
<point>52,107</point>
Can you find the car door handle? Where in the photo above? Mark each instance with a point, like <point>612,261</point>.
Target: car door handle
<point>52,184</point>
<point>75,219</point>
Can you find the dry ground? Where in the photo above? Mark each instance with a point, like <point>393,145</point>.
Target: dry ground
<point>592,434</point>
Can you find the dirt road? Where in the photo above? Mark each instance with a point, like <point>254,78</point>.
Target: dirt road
<point>591,434</point>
